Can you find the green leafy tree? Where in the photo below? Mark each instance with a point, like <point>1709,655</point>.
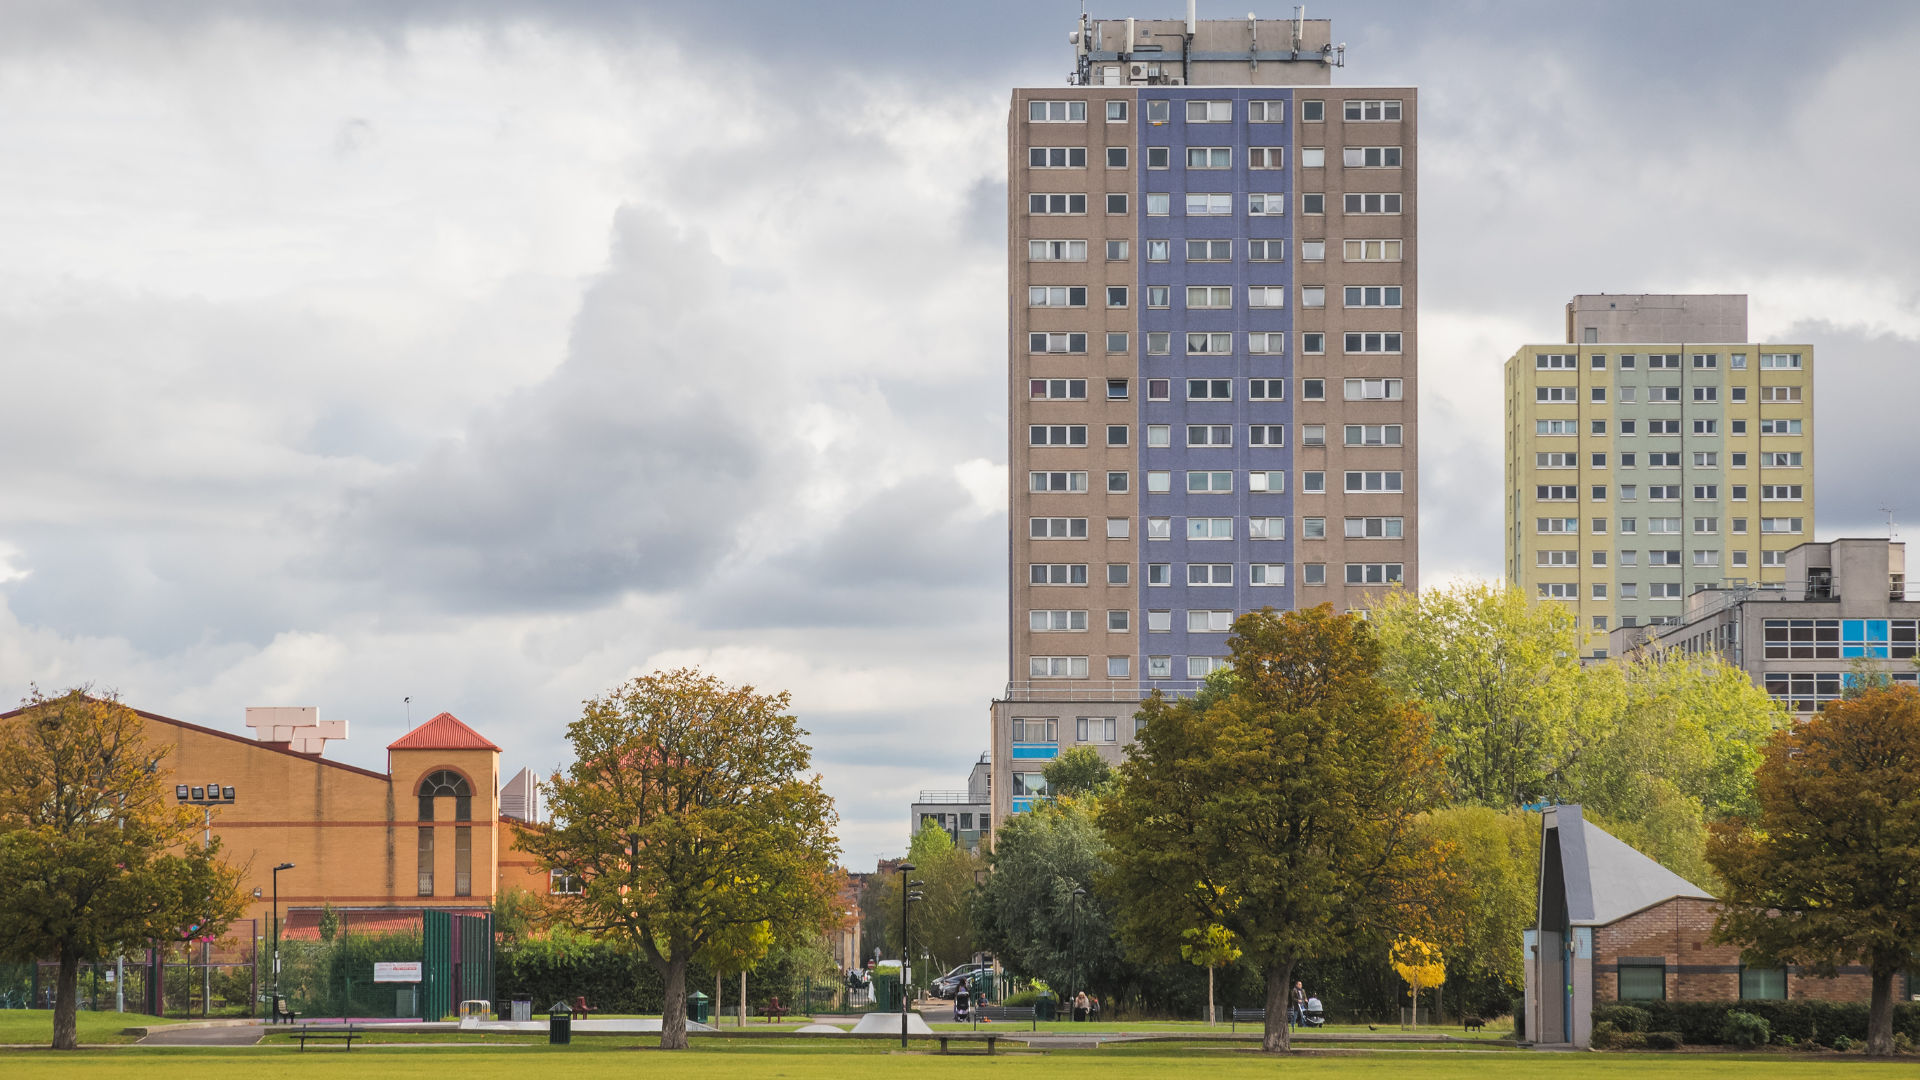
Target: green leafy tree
<point>1286,810</point>
<point>1027,914</point>
<point>1501,678</point>
<point>1494,859</point>
<point>517,915</point>
<point>1078,771</point>
<point>688,817</point>
<point>1824,873</point>
<point>1210,947</point>
<point>942,923</point>
<point>95,858</point>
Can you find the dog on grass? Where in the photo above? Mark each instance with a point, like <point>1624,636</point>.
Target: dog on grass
<point>1473,1023</point>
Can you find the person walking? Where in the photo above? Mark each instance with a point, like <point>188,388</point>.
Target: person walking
<point>1093,1009</point>
<point>961,1000</point>
<point>1299,1012</point>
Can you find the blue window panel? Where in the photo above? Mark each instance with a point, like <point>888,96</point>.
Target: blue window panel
<point>1022,805</point>
<point>1047,750</point>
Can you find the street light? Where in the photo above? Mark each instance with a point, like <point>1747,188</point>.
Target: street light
<point>907,896</point>
<point>1073,981</point>
<point>276,932</point>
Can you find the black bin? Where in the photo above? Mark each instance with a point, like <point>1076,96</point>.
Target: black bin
<point>559,1024</point>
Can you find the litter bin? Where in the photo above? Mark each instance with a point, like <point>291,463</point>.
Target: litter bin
<point>699,1008</point>
<point>559,1024</point>
<point>520,1011</point>
<point>1043,1006</point>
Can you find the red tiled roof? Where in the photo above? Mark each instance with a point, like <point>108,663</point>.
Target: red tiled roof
<point>443,732</point>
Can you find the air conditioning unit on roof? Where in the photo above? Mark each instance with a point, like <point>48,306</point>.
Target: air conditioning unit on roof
<point>1136,71</point>
<point>1176,81</point>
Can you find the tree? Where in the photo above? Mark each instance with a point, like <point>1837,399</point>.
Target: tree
<point>1027,913</point>
<point>1210,947</point>
<point>1494,858</point>
<point>1285,809</point>
<point>1823,874</point>
<point>94,857</point>
<point>942,922</point>
<point>1079,770</point>
<point>686,814</point>
<point>1419,963</point>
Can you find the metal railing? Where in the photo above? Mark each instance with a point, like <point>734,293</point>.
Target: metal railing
<point>1102,691</point>
<point>948,797</point>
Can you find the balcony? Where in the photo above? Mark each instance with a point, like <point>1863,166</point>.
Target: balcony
<point>962,797</point>
<point>1099,690</point>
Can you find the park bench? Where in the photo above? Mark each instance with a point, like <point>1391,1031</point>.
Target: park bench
<point>989,1038</point>
<point>348,1033</point>
<point>1002,1013</point>
<point>281,1014</point>
<point>1247,1015</point>
<point>774,1010</point>
<point>580,1007</point>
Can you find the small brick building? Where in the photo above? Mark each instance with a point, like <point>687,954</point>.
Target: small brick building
<point>1615,926</point>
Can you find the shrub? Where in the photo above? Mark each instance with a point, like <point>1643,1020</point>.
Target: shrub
<point>1901,1043</point>
<point>1604,1033</point>
<point>1623,1017</point>
<point>1745,1030</point>
<point>1784,1040</point>
<point>1663,1040</point>
<point>1843,1044</point>
<point>1806,1019</point>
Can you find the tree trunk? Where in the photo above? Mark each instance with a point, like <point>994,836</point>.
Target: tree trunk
<point>1210,1011</point>
<point>673,1020</point>
<point>1278,1035</point>
<point>66,1004</point>
<point>743,997</point>
<point>1879,1014</point>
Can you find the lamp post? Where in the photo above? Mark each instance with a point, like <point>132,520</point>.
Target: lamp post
<point>907,896</point>
<point>1073,982</point>
<point>276,932</point>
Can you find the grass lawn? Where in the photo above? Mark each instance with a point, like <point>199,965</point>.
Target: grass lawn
<point>36,1026</point>
<point>748,1061</point>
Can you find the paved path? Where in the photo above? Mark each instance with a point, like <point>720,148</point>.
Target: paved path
<point>209,1036</point>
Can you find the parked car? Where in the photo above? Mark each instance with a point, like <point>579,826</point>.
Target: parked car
<point>949,984</point>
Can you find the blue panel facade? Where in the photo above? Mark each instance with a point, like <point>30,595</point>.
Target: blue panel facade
<point>1240,365</point>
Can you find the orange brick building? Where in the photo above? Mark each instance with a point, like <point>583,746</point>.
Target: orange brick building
<point>378,847</point>
<point>1615,927</point>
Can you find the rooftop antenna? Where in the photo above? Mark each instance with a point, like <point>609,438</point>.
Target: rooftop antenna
<point>1891,531</point>
<point>409,702</point>
<point>1193,16</point>
<point>1253,41</point>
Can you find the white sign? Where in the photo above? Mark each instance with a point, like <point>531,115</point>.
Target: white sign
<point>408,972</point>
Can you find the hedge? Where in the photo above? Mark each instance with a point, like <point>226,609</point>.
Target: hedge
<point>1700,1022</point>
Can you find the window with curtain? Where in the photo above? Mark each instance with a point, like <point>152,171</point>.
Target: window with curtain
<point>1763,984</point>
<point>1638,983</point>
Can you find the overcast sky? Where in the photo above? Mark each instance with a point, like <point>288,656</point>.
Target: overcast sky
<point>493,353</point>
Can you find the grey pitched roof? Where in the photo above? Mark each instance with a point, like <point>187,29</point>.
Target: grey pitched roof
<point>1606,879</point>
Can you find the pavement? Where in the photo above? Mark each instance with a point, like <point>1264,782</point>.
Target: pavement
<point>205,1036</point>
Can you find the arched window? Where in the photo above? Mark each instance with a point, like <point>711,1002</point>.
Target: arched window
<point>446,783</point>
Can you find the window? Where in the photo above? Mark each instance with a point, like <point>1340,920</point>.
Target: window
<point>1056,481</point>
<point>1267,528</point>
<point>1626,427</point>
<point>1116,251</point>
<point>1663,393</point>
<point>1057,528</point>
<point>1118,667</point>
<point>1158,483</point>
<point>1057,389</point>
<point>1209,112</point>
<point>1779,427</point>
<point>1056,622</point>
<point>1118,573</point>
<point>1556,492</point>
<point>1057,157</point>
<point>1267,574</point>
<point>1267,435</point>
<point>1266,112</point>
<point>1116,483</point>
<point>1371,110</point>
<point>1056,112</point>
<point>1313,344</point>
<point>1057,435</point>
<point>1656,427</point>
<point>1779,393</point>
<point>1057,250</point>
<point>1313,112</point>
<point>1779,460</point>
<point>1199,667</point>
<point>1780,493</point>
<point>1210,251</point>
<point>1057,573</point>
<point>1556,427</point>
<point>1117,388</point>
<point>1599,361</point>
<point>1116,298</point>
<point>1626,361</point>
<point>1668,590</point>
<point>1313,435</point>
<point>1556,393</point>
<point>1763,984</point>
<point>1706,558</point>
<point>1556,558</point>
<point>1629,492</point>
<point>1116,343</point>
<point>1095,729</point>
<point>1313,483</point>
<point>1266,296</point>
<point>1266,251</point>
<point>1313,528</point>
<point>565,883</point>
<point>1554,362</point>
<point>1313,389</point>
<point>1204,528</point>
<point>1557,461</point>
<point>1705,526</point>
<point>1707,459</point>
<point>1158,157</point>
<point>1706,393</point>
<point>1383,202</point>
<point>1035,731</point>
<point>1556,525</point>
<point>424,861</point>
<point>1116,203</point>
<point>1779,525</point>
<point>1312,202</point>
<point>1739,527</point>
<point>1213,344</point>
<point>1209,574</point>
<point>1372,250</point>
<point>1209,622</point>
<point>1559,591</point>
<point>1373,296</point>
<point>1375,528</point>
<point>1706,427</point>
<point>1157,434</point>
<point>1373,573</point>
<point>1209,157</point>
<point>1209,435</point>
<point>1599,427</point>
<point>1779,361</point>
<point>1373,481</point>
<point>1706,491</point>
<point>1376,435</point>
<point>1370,157</point>
<point>1663,360</point>
<point>1202,481</point>
<point>1266,205</point>
<point>1626,526</point>
<point>1643,982</point>
<point>1057,343</point>
<point>1267,389</point>
<point>1663,524</point>
<point>1056,204</point>
<point>1204,205</point>
<point>1116,434</point>
<point>1600,394</point>
<point>1373,389</point>
<point>1313,250</point>
<point>1057,667</point>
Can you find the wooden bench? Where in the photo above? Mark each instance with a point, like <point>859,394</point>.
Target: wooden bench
<point>1248,1015</point>
<point>1003,1012</point>
<point>281,1012</point>
<point>348,1033</point>
<point>989,1038</point>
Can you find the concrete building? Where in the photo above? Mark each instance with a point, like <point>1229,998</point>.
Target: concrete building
<point>1212,364</point>
<point>1615,927</point>
<point>1842,603</point>
<point>1639,471</point>
<point>966,815</point>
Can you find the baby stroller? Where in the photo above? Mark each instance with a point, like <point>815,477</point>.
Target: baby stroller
<point>1313,1016</point>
